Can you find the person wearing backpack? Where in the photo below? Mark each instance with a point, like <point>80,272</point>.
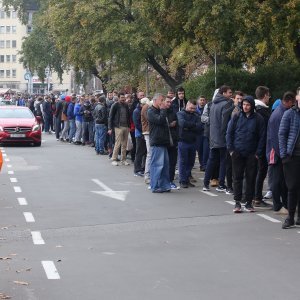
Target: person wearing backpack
<point>245,140</point>
<point>101,121</point>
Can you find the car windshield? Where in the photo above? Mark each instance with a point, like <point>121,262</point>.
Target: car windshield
<point>15,114</point>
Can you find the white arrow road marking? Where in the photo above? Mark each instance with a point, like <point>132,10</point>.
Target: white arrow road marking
<point>108,192</point>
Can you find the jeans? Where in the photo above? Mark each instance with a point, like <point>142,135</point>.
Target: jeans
<point>291,174</point>
<point>72,129</point>
<point>57,127</point>
<point>65,132</point>
<point>240,166</point>
<point>228,170</point>
<point>186,155</point>
<point>78,132</point>
<point>203,150</point>
<point>173,154</point>
<point>278,186</point>
<point>214,155</point>
<point>260,177</point>
<point>47,120</point>
<point>100,137</point>
<point>140,155</point>
<point>159,169</point>
<point>88,132</point>
<point>148,157</point>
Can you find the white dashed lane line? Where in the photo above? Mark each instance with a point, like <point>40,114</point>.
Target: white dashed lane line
<point>9,166</point>
<point>29,217</point>
<point>50,270</point>
<point>4,154</point>
<point>7,159</point>
<point>22,201</point>
<point>10,172</point>
<point>230,202</point>
<point>13,180</point>
<point>268,218</point>
<point>209,194</point>
<point>17,189</point>
<point>37,238</point>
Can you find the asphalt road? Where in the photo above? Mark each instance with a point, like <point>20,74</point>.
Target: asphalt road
<point>66,233</point>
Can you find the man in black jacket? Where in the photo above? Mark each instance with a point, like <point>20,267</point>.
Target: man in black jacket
<point>119,120</point>
<point>101,120</point>
<point>160,140</point>
<point>190,127</point>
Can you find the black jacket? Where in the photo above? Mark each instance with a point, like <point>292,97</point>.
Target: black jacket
<point>114,116</point>
<point>101,114</point>
<point>158,125</point>
<point>189,126</point>
<point>171,115</point>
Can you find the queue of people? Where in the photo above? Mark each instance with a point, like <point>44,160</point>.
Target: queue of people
<point>235,139</point>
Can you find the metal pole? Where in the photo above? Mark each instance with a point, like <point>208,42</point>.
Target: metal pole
<point>215,69</point>
<point>147,81</point>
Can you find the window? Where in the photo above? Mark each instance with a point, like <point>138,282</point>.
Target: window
<point>1,58</point>
<point>2,43</point>
<point>8,44</point>
<point>13,29</point>
<point>7,73</point>
<point>14,14</point>
<point>2,14</point>
<point>14,58</point>
<point>14,44</point>
<point>8,58</point>
<point>1,73</point>
<point>7,29</point>
<point>2,29</point>
<point>14,73</point>
<point>8,14</point>
<point>29,28</point>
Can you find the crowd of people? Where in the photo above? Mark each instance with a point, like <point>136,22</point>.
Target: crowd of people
<point>238,140</point>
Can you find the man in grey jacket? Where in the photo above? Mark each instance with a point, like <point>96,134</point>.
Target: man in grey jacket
<point>220,108</point>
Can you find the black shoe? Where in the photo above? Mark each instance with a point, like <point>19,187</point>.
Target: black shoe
<point>191,184</point>
<point>298,221</point>
<point>288,223</point>
<point>248,207</point>
<point>192,179</point>
<point>77,143</point>
<point>261,203</point>
<point>184,185</point>
<point>238,207</point>
<point>221,188</point>
<point>206,188</point>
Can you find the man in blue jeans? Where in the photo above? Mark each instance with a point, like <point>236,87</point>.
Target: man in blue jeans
<point>220,107</point>
<point>101,122</point>
<point>190,126</point>
<point>160,139</point>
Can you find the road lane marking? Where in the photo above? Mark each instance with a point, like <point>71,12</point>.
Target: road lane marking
<point>29,217</point>
<point>4,154</point>
<point>268,218</point>
<point>7,159</point>
<point>17,189</point>
<point>230,202</point>
<point>108,192</point>
<point>209,193</point>
<point>37,238</point>
<point>50,270</point>
<point>13,180</point>
<point>22,201</point>
<point>11,172</point>
<point>9,166</point>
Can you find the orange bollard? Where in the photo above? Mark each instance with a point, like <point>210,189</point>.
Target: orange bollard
<point>1,160</point>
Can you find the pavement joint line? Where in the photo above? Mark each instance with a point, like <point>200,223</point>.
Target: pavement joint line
<point>11,172</point>
<point>22,201</point>
<point>50,270</point>
<point>268,218</point>
<point>37,238</point>
<point>29,217</point>
<point>13,180</point>
<point>17,189</point>
<point>209,193</point>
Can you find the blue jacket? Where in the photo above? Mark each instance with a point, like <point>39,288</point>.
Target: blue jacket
<point>246,135</point>
<point>77,112</point>
<point>272,151</point>
<point>137,121</point>
<point>190,126</point>
<point>70,111</point>
<point>289,131</point>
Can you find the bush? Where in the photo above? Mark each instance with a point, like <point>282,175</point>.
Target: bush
<point>280,77</point>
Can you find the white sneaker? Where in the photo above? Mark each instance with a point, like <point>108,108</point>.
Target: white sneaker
<point>268,195</point>
<point>125,163</point>
<point>114,163</point>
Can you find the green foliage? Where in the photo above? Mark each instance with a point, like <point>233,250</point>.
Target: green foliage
<point>279,78</point>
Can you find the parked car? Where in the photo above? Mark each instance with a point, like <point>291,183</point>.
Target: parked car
<point>19,125</point>
<point>4,102</point>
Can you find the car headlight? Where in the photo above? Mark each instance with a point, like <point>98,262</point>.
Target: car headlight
<point>36,127</point>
